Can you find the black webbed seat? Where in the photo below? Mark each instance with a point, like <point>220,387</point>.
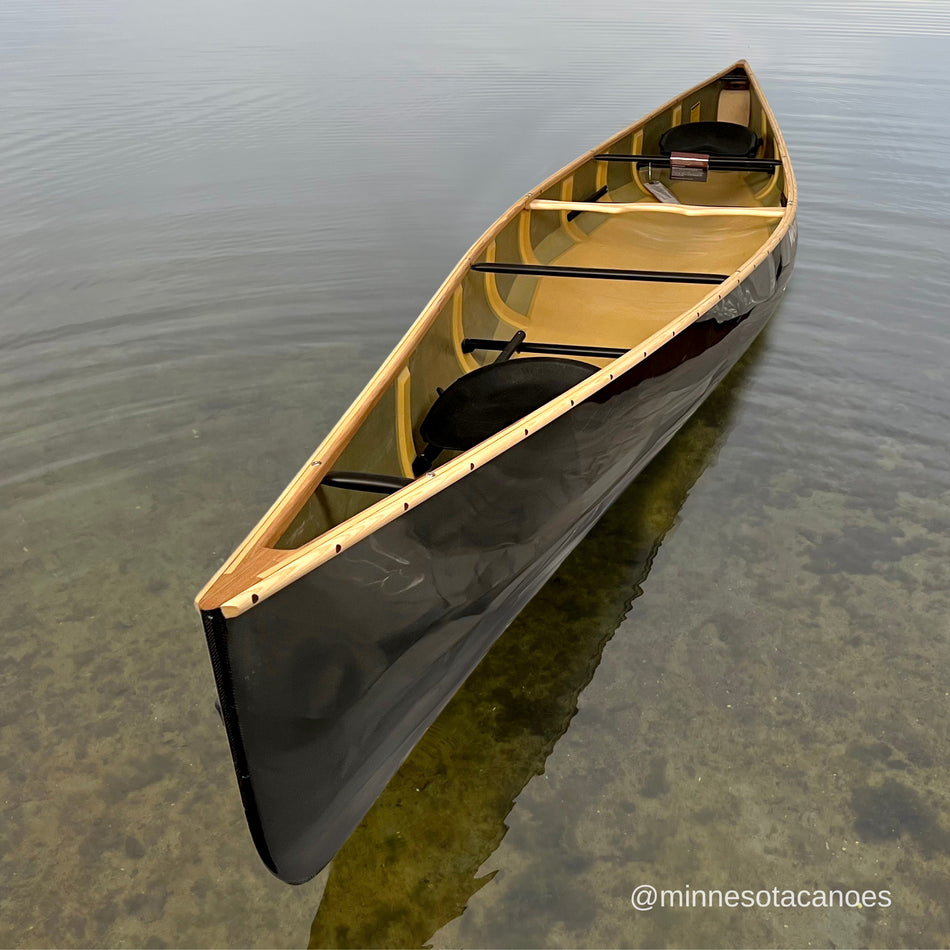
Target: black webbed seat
<point>724,139</point>
<point>490,398</point>
<point>483,402</point>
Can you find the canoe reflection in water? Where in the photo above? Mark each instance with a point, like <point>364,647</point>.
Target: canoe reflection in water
<point>412,864</point>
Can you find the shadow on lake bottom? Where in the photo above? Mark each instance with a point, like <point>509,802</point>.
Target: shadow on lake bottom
<point>412,864</point>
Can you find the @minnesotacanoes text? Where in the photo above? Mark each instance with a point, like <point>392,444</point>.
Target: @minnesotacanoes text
<point>646,897</point>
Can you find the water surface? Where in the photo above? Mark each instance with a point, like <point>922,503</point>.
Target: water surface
<point>215,220</point>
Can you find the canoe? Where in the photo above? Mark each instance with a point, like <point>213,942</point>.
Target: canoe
<point>563,351</point>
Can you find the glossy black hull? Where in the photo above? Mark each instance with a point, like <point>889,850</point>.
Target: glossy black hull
<point>328,684</point>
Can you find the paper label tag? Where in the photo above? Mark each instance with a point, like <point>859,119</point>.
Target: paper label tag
<point>661,192</point>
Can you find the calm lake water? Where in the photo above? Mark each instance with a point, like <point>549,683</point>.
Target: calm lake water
<point>215,220</point>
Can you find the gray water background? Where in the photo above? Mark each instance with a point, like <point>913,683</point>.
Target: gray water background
<point>215,220</point>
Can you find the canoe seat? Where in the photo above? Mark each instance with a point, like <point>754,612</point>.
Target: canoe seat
<point>490,398</point>
<point>711,138</point>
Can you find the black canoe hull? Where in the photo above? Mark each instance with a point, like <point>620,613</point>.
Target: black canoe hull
<point>327,685</point>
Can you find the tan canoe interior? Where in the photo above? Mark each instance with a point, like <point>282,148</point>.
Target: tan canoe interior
<point>589,312</point>
<point>592,312</point>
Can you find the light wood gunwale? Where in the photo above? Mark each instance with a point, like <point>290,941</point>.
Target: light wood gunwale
<point>256,571</point>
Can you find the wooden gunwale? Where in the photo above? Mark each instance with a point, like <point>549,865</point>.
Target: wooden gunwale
<point>256,571</point>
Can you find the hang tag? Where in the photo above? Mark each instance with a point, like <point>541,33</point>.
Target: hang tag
<point>688,166</point>
<point>661,192</point>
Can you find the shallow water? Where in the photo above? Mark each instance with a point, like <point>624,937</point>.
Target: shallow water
<point>215,220</point>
